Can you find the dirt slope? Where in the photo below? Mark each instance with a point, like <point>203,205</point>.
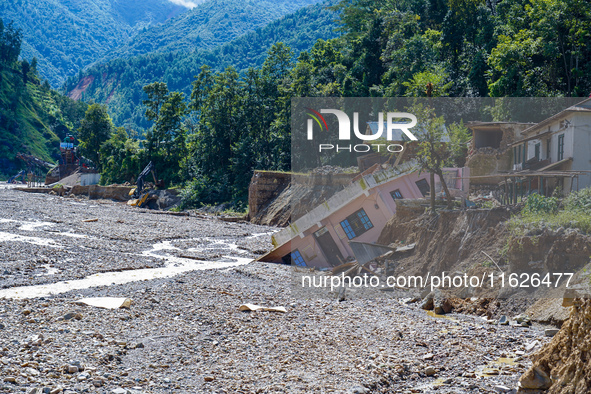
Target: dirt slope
<point>462,241</point>
<point>564,364</point>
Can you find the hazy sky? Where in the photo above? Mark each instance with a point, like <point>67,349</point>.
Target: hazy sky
<point>186,3</point>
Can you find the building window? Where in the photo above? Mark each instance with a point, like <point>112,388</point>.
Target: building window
<point>537,151</point>
<point>560,147</point>
<point>515,155</point>
<point>548,148</point>
<point>356,224</point>
<point>297,259</point>
<point>423,186</point>
<point>396,195</point>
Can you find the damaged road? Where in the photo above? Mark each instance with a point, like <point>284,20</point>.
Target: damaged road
<point>183,331</point>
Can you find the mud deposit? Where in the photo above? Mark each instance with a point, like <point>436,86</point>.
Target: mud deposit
<point>183,333</point>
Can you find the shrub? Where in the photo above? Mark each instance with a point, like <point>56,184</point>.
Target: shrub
<point>536,203</point>
<point>201,191</point>
<point>579,201</point>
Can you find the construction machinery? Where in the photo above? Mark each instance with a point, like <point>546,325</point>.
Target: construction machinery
<point>139,196</point>
<point>70,161</point>
<point>35,171</point>
<point>14,178</point>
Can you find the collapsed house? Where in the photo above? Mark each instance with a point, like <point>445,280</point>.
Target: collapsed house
<point>490,150</point>
<point>358,213</point>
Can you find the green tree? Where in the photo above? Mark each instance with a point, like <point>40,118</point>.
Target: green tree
<point>10,43</point>
<point>166,140</point>
<point>121,158</point>
<point>437,146</point>
<point>428,84</point>
<point>94,130</point>
<point>25,69</point>
<point>543,52</point>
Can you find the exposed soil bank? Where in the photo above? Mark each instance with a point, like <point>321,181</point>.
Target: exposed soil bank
<point>563,366</point>
<point>462,241</point>
<point>270,194</point>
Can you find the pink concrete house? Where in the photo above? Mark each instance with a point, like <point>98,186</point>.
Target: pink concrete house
<point>359,212</point>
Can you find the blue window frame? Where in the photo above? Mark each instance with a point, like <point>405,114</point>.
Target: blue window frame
<point>297,259</point>
<point>356,224</point>
<point>396,194</point>
<point>348,230</point>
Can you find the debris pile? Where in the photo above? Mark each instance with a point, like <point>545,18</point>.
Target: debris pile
<point>327,170</point>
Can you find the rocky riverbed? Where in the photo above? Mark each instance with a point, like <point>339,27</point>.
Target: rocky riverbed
<point>186,277</point>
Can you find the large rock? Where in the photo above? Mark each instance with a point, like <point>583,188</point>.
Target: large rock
<point>535,379</point>
<point>441,305</point>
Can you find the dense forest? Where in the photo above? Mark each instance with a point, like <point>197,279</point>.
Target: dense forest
<point>33,117</point>
<point>119,83</point>
<point>235,122</point>
<point>208,25</point>
<point>66,35</point>
<point>212,117</point>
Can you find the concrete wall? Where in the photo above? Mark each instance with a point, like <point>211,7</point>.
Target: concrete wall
<point>556,130</point>
<point>582,148</point>
<point>90,179</point>
<point>264,187</point>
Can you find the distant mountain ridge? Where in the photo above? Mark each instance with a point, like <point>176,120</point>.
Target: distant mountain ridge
<point>33,118</point>
<point>208,25</point>
<point>119,83</point>
<point>67,35</point>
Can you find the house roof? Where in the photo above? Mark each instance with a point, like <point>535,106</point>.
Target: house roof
<point>555,165</point>
<point>478,124</point>
<point>583,106</point>
<point>533,137</point>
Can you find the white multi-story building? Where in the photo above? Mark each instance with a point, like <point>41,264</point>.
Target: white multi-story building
<point>559,143</point>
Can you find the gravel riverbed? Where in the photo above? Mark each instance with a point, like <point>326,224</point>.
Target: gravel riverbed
<point>186,277</point>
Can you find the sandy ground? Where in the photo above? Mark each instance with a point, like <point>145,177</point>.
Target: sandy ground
<point>187,277</point>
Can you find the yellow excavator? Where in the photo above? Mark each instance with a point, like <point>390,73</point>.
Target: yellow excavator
<point>140,197</point>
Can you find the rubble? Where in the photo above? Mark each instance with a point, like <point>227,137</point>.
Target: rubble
<point>193,337</point>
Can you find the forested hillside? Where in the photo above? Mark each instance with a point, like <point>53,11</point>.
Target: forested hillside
<point>207,128</point>
<point>236,123</point>
<point>119,82</point>
<point>67,35</point>
<point>208,25</point>
<point>33,118</point>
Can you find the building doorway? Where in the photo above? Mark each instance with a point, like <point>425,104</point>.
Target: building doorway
<point>329,247</point>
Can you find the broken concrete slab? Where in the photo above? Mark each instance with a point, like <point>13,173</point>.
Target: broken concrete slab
<point>253,307</point>
<point>106,302</point>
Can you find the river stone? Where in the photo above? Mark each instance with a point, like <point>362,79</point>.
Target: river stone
<point>535,379</point>
<point>550,332</point>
